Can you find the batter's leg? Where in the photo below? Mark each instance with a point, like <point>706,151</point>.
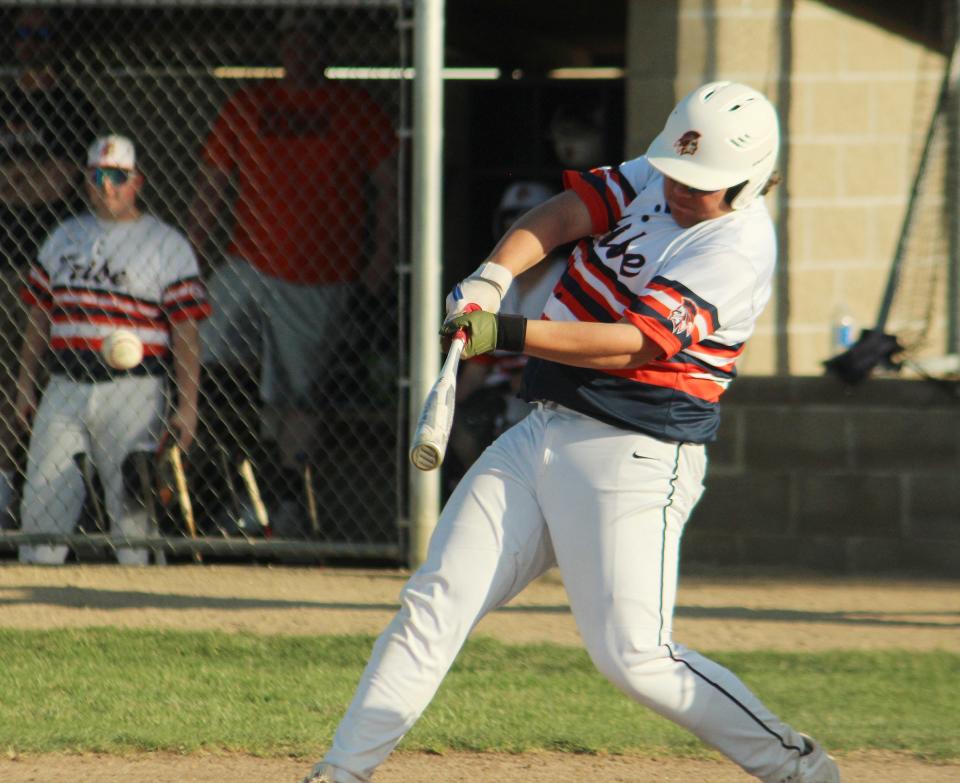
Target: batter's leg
<point>620,573</point>
<point>53,492</point>
<point>126,415</point>
<point>489,543</point>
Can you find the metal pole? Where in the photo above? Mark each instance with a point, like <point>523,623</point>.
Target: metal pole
<point>953,184</point>
<point>425,293</point>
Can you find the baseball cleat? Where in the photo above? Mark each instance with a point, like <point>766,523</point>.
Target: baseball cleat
<point>815,766</point>
<point>324,773</point>
<point>318,775</point>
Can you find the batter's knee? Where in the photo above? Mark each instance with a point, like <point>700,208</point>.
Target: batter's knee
<point>432,602</point>
<point>627,664</point>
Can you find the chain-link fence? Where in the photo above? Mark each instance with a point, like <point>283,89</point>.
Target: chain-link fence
<point>242,221</point>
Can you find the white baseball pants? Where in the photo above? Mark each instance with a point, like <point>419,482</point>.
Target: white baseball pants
<point>106,420</point>
<point>606,505</point>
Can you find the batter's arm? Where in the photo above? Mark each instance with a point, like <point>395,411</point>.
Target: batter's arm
<point>559,220</point>
<point>595,346</point>
<point>36,341</point>
<point>186,369</point>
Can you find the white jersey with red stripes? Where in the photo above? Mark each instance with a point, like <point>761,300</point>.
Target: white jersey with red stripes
<point>696,292</point>
<point>95,276</point>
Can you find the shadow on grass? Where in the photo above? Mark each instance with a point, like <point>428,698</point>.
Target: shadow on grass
<point>87,598</point>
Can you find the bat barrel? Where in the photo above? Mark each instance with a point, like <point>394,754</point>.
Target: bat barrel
<point>436,417</point>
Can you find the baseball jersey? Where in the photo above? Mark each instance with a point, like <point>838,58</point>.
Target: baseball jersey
<point>94,276</point>
<point>301,158</point>
<point>696,292</point>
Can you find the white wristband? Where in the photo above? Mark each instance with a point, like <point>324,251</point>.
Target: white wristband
<point>499,275</point>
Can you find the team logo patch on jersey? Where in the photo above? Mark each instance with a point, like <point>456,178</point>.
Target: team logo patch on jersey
<point>688,143</point>
<point>683,318</point>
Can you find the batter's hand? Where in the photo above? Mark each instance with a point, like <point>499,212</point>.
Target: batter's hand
<point>183,426</point>
<point>481,329</point>
<point>484,288</point>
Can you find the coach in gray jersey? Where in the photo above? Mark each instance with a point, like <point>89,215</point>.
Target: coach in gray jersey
<point>112,268</point>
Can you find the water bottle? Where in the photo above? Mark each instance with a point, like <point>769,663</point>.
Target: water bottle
<point>842,330</point>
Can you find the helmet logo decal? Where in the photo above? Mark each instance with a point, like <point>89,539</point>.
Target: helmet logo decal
<point>683,318</point>
<point>688,143</point>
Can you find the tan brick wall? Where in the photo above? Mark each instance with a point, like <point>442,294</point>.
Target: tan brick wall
<point>861,97</point>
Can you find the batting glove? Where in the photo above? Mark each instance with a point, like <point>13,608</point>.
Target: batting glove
<point>484,288</point>
<point>487,332</point>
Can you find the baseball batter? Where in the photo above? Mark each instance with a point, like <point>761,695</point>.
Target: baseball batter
<point>631,355</point>
<point>111,268</point>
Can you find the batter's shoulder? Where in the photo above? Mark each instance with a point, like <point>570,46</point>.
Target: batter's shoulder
<point>74,226</point>
<point>639,173</point>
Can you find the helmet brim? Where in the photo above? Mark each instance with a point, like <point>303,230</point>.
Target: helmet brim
<point>685,170</point>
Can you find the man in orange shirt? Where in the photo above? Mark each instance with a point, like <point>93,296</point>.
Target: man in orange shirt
<point>312,164</point>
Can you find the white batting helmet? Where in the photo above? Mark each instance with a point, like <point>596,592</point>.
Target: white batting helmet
<point>720,135</point>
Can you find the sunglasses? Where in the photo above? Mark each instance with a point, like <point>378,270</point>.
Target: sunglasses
<point>116,177</point>
<point>35,33</point>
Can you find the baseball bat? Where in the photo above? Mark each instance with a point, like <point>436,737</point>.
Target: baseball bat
<point>311,498</point>
<point>183,493</point>
<point>429,444</point>
<point>226,468</point>
<point>259,509</point>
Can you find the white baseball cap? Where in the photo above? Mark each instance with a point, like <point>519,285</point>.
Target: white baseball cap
<point>115,152</point>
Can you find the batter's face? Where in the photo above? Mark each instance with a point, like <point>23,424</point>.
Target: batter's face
<point>112,199</point>
<point>690,206</point>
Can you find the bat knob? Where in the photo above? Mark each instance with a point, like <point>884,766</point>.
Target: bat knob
<point>425,456</point>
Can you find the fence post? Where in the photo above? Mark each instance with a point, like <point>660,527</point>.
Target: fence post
<point>426,248</point>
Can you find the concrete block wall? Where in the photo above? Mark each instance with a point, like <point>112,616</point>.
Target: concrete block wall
<point>808,472</point>
<point>857,100</point>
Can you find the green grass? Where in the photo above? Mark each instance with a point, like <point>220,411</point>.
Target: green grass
<point>123,690</point>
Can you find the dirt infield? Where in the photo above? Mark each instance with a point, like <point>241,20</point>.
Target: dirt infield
<point>714,613</point>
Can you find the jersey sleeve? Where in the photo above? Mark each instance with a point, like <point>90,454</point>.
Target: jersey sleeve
<point>184,295</point>
<point>693,298</point>
<point>607,191</point>
<point>37,290</point>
